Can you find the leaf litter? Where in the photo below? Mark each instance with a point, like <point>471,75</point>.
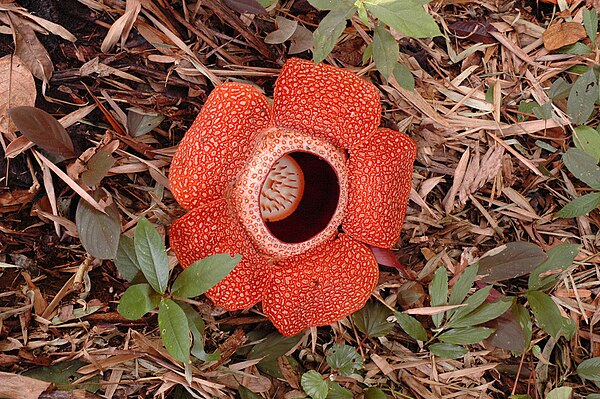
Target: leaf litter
<point>489,177</point>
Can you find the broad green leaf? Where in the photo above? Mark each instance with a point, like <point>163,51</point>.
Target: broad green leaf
<point>560,89</point>
<point>583,166</point>
<point>43,129</point>
<point>587,140</point>
<point>465,336</point>
<point>204,274</point>
<point>61,375</point>
<point>99,232</point>
<point>344,359</point>
<point>590,21</point>
<point>461,288</point>
<point>448,351</point>
<point>196,326</point>
<point>559,259</point>
<point>174,332</point>
<point>326,5</point>
<point>362,14</point>
<point>406,16</point>
<point>527,107</point>
<point>151,255</point>
<point>126,260</point>
<point>484,313</point>
<point>315,385</point>
<point>524,319</point>
<point>385,51</point>
<point>336,391</point>
<point>438,292</point>
<point>575,49</point>
<point>546,313</point>
<point>590,369</point>
<point>509,261</point>
<point>374,393</point>
<point>580,206</point>
<point>372,320</point>
<point>330,29</point>
<point>560,393</point>
<point>97,167</point>
<point>472,302</point>
<point>138,300</point>
<point>273,346</point>
<point>245,393</point>
<point>140,122</point>
<point>267,3</point>
<point>404,77</point>
<point>367,54</point>
<point>544,111</point>
<point>411,326</point>
<point>582,98</point>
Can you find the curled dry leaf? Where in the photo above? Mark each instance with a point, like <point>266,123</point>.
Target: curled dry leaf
<point>91,166</point>
<point>122,26</point>
<point>285,30</point>
<point>30,50</point>
<point>562,34</point>
<point>17,88</point>
<point>42,129</point>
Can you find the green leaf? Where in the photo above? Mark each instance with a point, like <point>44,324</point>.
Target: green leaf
<point>484,313</point>
<point>465,336</point>
<point>196,327</point>
<point>590,21</point>
<point>97,167</point>
<point>560,89</point>
<point>138,300</point>
<point>314,384</point>
<point>330,29</point>
<point>406,16</point>
<point>373,393</point>
<point>461,288</point>
<point>590,369</point>
<point>448,351</point>
<point>582,97</point>
<point>583,166</point>
<point>544,111</point>
<point>560,393</point>
<point>336,391</point>
<point>511,260</point>
<point>438,292</point>
<point>587,140</point>
<point>126,260</point>
<point>372,320</point>
<point>326,5</point>
<point>547,314</point>
<point>385,51</point>
<point>367,54</point>
<point>99,232</point>
<point>245,393</point>
<point>151,255</point>
<point>204,274</point>
<point>411,326</point>
<point>559,259</point>
<point>472,302</point>
<point>62,375</point>
<point>140,122</point>
<point>273,346</point>
<point>404,77</point>
<point>174,332</point>
<point>344,359</point>
<point>580,206</point>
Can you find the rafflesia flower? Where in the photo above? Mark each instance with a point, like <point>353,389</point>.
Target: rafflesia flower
<point>297,188</point>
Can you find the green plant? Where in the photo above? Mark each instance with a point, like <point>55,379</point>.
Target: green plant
<point>143,262</point>
<point>405,16</point>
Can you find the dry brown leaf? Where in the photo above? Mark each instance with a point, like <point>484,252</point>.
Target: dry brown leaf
<point>122,26</point>
<point>18,386</point>
<point>17,88</point>
<point>30,50</point>
<point>562,34</point>
<point>11,201</point>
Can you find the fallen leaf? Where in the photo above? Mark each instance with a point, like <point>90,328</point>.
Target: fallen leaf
<point>18,386</point>
<point>29,49</point>
<point>562,34</point>
<point>122,26</point>
<point>17,88</point>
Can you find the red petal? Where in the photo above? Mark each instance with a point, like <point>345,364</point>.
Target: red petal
<point>321,286</point>
<point>211,229</point>
<point>327,102</point>
<point>380,177</point>
<point>218,143</point>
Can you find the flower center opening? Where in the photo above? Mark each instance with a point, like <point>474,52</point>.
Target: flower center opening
<point>299,197</point>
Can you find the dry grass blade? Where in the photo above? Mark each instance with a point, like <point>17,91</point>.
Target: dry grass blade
<point>122,26</point>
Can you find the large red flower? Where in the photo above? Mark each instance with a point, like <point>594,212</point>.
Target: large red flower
<point>277,184</point>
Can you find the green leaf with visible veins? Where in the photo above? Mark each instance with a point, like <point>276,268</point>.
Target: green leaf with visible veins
<point>204,274</point>
<point>411,326</point>
<point>315,384</point>
<point>406,16</point>
<point>385,51</point>
<point>151,255</point>
<point>174,331</point>
<point>330,29</point>
<point>548,315</point>
<point>466,335</point>
<point>138,300</point>
<point>580,206</point>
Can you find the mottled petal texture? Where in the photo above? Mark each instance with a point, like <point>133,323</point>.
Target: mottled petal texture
<point>218,143</point>
<point>327,102</point>
<point>321,286</point>
<point>380,176</point>
<point>211,229</point>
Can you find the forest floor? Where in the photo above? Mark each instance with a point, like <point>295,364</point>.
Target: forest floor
<point>493,111</point>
